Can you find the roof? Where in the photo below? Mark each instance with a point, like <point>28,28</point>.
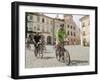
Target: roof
<point>85,17</point>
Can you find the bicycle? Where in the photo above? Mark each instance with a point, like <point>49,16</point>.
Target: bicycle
<point>38,50</point>
<point>63,54</point>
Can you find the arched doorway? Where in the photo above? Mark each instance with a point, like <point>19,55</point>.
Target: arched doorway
<point>49,40</point>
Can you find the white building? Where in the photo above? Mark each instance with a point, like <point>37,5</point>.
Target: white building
<point>40,23</point>
<point>85,24</point>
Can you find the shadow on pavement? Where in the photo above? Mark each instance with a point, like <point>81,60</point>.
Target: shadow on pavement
<point>48,58</point>
<point>78,62</point>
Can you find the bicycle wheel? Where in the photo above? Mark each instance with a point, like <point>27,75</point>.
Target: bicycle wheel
<point>35,52</point>
<point>66,57</point>
<point>58,55</point>
<point>41,52</point>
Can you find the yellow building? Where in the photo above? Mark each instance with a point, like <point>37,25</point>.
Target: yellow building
<point>85,24</point>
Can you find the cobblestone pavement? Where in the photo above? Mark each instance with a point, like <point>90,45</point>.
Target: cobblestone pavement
<point>79,56</point>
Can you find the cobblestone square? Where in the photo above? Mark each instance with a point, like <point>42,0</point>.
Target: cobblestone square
<point>79,56</point>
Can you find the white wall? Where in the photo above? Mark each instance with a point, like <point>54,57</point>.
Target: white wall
<point>5,41</point>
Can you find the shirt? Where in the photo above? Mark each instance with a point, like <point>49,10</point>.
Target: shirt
<point>60,35</point>
<point>37,38</point>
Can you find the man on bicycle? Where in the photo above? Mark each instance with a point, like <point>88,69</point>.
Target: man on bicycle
<point>60,37</point>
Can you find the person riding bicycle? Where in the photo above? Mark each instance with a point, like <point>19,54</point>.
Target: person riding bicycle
<point>36,39</point>
<point>61,35</point>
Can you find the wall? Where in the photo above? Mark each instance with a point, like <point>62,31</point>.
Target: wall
<point>5,40</point>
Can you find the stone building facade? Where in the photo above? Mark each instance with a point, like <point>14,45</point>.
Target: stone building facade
<point>72,29</point>
<point>85,24</point>
<point>47,26</point>
<point>40,23</point>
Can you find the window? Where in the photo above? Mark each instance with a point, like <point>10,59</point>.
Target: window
<point>74,28</point>
<point>34,28</point>
<point>74,33</point>
<point>68,32</point>
<point>38,28</point>
<point>30,29</point>
<point>68,26</point>
<point>29,25</point>
<point>43,20</point>
<point>74,40</point>
<point>51,22</point>
<point>84,39</point>
<point>71,27</point>
<point>71,34</point>
<point>83,25</point>
<point>30,17</point>
<point>84,33</point>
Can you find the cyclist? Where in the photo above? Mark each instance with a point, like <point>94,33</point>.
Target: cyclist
<point>60,37</point>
